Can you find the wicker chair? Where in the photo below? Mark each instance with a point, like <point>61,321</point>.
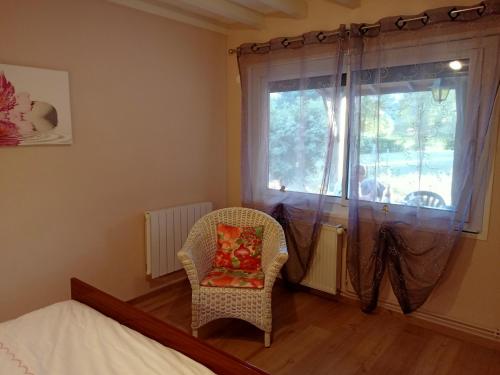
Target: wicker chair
<point>197,255</point>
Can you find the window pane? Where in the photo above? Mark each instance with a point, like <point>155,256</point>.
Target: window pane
<point>407,140</point>
<point>299,124</point>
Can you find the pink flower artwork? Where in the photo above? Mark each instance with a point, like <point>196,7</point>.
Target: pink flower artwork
<point>34,106</point>
<point>14,110</point>
<point>9,136</point>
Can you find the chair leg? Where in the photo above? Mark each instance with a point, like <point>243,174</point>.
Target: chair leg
<point>267,339</point>
<point>195,322</point>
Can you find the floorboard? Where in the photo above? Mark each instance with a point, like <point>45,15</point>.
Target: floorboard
<point>314,335</point>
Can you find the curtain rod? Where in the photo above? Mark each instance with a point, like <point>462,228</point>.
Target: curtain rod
<point>321,36</point>
<point>400,23</point>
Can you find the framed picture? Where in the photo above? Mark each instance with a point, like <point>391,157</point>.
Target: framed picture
<point>34,106</point>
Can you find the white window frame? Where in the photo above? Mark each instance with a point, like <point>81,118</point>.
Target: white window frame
<point>289,69</point>
<point>338,206</point>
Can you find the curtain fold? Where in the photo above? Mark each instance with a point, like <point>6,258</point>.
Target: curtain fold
<point>421,128</point>
<point>289,130</point>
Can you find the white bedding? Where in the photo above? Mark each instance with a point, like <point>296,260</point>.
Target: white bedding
<point>70,338</point>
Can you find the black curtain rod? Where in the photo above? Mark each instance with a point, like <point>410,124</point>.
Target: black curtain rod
<point>400,23</point>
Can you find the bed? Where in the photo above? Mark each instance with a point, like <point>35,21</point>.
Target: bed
<point>95,333</point>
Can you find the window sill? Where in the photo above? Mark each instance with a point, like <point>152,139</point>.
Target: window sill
<point>338,210</point>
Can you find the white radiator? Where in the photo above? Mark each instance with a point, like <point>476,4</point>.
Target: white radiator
<point>166,232</point>
<point>324,271</point>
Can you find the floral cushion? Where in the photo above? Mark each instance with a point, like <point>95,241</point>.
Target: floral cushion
<point>239,248</point>
<point>226,277</point>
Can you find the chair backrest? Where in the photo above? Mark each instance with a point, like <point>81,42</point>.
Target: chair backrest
<point>237,216</point>
<point>425,199</point>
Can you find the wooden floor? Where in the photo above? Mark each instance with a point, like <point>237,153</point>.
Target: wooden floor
<point>314,335</point>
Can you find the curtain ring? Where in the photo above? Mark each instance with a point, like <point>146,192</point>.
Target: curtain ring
<point>425,20</point>
<point>320,36</point>
<point>452,15</point>
<point>285,43</point>
<point>400,23</point>
<point>480,12</point>
<point>362,29</point>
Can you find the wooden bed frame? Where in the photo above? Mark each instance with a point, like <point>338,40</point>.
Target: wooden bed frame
<point>216,360</point>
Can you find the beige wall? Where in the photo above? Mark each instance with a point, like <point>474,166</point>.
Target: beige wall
<point>470,291</point>
<point>148,100</point>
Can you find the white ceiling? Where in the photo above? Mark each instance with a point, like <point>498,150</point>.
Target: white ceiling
<point>222,15</point>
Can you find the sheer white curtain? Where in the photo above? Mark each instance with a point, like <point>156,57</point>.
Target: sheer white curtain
<point>421,129</point>
<point>289,134</point>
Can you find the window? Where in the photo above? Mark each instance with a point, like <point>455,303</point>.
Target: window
<point>410,119</point>
<point>413,120</point>
<point>299,122</point>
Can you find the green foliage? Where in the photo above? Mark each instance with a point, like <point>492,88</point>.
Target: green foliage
<point>390,123</point>
<point>298,137</point>
<point>407,121</point>
<point>369,145</point>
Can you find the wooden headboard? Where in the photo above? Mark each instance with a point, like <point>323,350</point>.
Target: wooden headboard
<point>216,360</point>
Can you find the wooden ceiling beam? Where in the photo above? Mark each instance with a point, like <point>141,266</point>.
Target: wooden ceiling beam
<point>349,3</point>
<point>222,10</point>
<point>170,14</point>
<point>292,8</point>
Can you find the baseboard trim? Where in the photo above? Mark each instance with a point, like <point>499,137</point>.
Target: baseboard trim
<point>168,282</point>
<point>451,327</point>
<point>307,289</point>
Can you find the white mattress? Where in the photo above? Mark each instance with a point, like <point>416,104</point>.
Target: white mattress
<point>70,338</point>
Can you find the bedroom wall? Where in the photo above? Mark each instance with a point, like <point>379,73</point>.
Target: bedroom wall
<point>148,101</point>
<point>470,291</point>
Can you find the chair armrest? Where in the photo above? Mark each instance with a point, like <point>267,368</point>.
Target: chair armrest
<point>196,256</point>
<point>272,269</point>
<point>185,256</point>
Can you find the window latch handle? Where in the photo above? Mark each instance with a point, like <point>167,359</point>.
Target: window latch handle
<point>385,209</point>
